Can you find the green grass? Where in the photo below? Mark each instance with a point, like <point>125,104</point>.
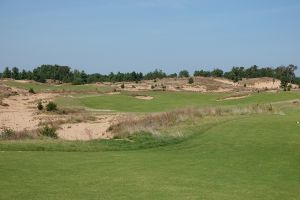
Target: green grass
<point>253,157</point>
<point>163,101</point>
<point>40,87</point>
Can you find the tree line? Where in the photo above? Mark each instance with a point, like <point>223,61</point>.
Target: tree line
<point>64,74</point>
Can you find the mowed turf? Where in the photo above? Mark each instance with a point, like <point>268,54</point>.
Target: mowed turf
<point>253,157</point>
<point>163,101</point>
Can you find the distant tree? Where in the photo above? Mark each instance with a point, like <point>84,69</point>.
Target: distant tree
<point>174,75</point>
<point>23,75</point>
<point>286,75</point>
<point>83,77</point>
<point>6,73</point>
<point>284,82</point>
<point>236,74</point>
<point>184,73</point>
<point>156,74</point>
<point>202,73</point>
<point>217,73</point>
<point>15,73</point>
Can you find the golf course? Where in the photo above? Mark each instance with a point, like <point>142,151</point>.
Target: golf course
<point>252,155</point>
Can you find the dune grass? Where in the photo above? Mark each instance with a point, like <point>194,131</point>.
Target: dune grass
<point>42,87</point>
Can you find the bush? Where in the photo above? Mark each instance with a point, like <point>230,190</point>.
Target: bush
<point>40,106</point>
<point>122,86</point>
<point>48,132</point>
<point>7,133</point>
<point>31,90</point>
<point>51,106</point>
<point>191,80</point>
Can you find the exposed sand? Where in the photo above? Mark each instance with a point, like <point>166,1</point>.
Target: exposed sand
<point>87,130</point>
<point>226,81</point>
<point>144,97</point>
<point>194,88</point>
<point>20,112</point>
<point>260,83</point>
<point>233,98</point>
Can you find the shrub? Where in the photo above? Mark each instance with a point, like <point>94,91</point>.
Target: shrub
<point>40,106</point>
<point>31,90</point>
<point>7,133</point>
<point>51,106</point>
<point>289,87</point>
<point>122,86</point>
<point>191,80</point>
<point>152,87</point>
<point>245,85</point>
<point>48,132</point>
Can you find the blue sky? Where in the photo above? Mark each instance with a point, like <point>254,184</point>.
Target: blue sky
<point>124,35</point>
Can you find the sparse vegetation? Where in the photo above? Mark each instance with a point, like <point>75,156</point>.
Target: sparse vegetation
<point>48,131</point>
<point>6,133</point>
<point>31,90</point>
<point>51,106</point>
<point>40,106</point>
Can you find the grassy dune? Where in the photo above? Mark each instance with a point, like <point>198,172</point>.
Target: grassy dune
<point>40,87</point>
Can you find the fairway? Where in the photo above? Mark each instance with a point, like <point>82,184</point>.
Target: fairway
<point>163,101</point>
<point>254,157</point>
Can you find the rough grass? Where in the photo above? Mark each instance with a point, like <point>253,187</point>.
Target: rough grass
<point>158,122</point>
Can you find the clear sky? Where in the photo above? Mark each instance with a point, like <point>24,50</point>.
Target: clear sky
<point>124,35</point>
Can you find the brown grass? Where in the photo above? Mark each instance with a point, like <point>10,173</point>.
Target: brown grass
<point>153,123</point>
<point>18,135</point>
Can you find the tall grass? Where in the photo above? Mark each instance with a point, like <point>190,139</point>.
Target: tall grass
<point>152,123</point>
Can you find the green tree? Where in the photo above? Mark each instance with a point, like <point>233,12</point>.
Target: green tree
<point>6,73</point>
<point>184,73</point>
<point>15,73</point>
<point>23,75</point>
<point>217,73</point>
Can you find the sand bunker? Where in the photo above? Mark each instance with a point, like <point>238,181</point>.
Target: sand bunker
<point>84,131</point>
<point>144,97</point>
<point>235,97</point>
